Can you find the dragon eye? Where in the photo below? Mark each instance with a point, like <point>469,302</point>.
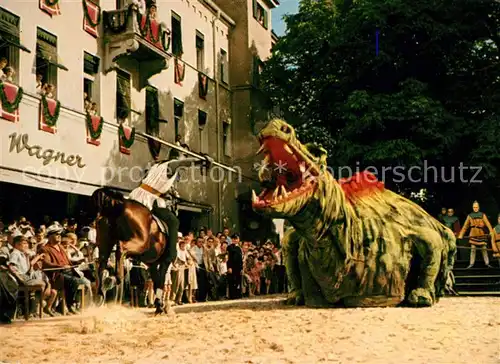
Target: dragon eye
<point>285,129</point>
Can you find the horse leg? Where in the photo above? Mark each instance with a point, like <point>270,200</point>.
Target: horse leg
<point>105,246</point>
<point>120,267</point>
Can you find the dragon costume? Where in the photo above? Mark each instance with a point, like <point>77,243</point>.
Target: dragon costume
<point>352,241</point>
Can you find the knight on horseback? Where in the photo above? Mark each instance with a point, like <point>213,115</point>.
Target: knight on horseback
<point>133,227</point>
<point>159,181</point>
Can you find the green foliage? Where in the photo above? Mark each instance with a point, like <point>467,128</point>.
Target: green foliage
<point>432,93</point>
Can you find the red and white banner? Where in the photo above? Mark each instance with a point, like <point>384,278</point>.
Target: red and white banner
<point>154,31</point>
<point>92,11</point>
<point>10,90</point>
<point>127,130</point>
<point>96,124</point>
<point>50,9</point>
<point>52,106</point>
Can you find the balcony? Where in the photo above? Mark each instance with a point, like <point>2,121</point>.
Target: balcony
<point>135,42</point>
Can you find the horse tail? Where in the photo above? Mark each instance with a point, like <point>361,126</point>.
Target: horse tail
<point>107,202</point>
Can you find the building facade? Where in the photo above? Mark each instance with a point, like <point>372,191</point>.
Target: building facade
<point>109,72</point>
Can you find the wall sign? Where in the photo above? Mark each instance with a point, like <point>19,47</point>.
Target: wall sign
<point>20,143</point>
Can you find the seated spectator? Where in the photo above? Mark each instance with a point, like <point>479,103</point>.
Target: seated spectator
<point>8,75</point>
<point>39,85</point>
<point>3,64</point>
<point>93,109</point>
<point>9,288</point>
<point>50,91</point>
<point>22,266</point>
<point>61,274</point>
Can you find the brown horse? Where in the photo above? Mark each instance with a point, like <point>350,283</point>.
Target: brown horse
<point>130,226</point>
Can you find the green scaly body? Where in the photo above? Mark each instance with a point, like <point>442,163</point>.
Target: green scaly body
<point>359,250</point>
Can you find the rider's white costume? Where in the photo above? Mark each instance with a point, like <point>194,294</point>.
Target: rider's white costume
<point>155,184</point>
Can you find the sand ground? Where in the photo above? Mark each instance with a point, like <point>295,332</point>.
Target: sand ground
<point>456,330</point>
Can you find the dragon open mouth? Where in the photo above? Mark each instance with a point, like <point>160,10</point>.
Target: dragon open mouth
<point>283,173</point>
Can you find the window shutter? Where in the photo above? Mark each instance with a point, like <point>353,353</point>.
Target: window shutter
<point>255,9</point>
<point>90,64</point>
<point>9,23</point>
<point>265,19</point>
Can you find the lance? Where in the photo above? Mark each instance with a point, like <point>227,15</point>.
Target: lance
<point>188,152</point>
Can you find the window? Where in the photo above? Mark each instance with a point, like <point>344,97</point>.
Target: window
<point>223,67</point>
<point>260,14</point>
<point>120,4</point>
<point>90,90</point>
<point>258,66</point>
<point>202,121</point>
<point>178,113</point>
<point>123,98</point>
<point>176,35</point>
<point>47,61</point>
<point>226,138</point>
<point>10,44</point>
<point>200,51</point>
<point>152,119</point>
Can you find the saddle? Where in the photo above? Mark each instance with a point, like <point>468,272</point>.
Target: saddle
<point>161,224</point>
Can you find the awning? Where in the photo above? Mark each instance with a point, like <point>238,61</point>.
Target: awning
<point>49,54</point>
<point>47,182</point>
<point>14,42</point>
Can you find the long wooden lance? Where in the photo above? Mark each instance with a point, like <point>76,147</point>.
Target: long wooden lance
<point>185,151</point>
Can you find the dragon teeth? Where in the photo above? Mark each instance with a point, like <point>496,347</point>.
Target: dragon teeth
<point>261,149</point>
<point>275,193</point>
<point>266,161</point>
<point>254,197</point>
<point>288,149</point>
<point>302,167</point>
<point>283,191</point>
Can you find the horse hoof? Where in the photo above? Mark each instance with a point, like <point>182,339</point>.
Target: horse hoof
<point>99,302</point>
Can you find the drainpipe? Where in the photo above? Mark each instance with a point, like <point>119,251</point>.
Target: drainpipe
<point>217,121</point>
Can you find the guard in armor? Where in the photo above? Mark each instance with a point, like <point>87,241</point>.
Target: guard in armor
<point>481,232</point>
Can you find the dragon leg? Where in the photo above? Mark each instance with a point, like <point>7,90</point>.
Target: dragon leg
<point>290,244</point>
<point>428,248</point>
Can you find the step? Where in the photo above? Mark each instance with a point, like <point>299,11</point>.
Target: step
<point>479,276</point>
<point>475,272</point>
<point>497,284</point>
<point>478,293</point>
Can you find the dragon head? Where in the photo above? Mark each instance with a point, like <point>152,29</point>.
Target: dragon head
<point>290,172</point>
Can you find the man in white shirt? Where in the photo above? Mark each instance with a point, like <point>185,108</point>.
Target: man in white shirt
<point>198,251</point>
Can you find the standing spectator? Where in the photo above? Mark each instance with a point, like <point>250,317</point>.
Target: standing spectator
<point>497,239</point>
<point>178,273</point>
<point>227,233</point>
<point>441,216</point>
<point>452,222</point>
<point>198,252</point>
<point>234,267</point>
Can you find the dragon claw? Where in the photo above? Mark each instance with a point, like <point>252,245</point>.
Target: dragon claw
<point>421,297</point>
<point>295,298</point>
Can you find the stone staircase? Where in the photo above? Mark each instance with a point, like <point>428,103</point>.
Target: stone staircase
<point>479,280</point>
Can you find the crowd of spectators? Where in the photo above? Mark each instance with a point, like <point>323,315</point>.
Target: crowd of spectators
<point>60,258</point>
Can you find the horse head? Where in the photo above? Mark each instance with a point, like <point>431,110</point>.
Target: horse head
<point>107,203</point>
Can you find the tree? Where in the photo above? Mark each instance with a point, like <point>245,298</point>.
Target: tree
<point>431,97</point>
